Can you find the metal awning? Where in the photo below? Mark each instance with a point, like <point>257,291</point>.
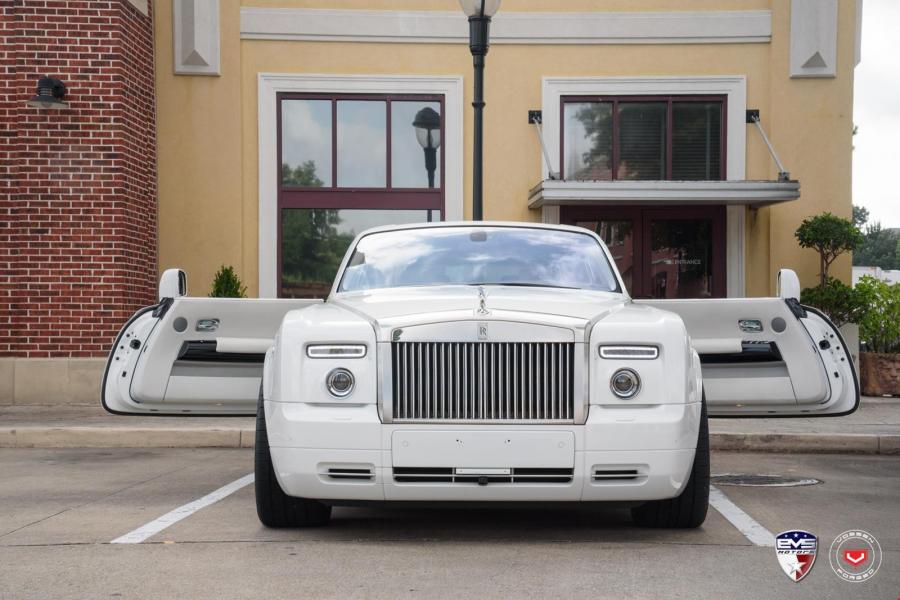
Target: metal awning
<point>681,193</point>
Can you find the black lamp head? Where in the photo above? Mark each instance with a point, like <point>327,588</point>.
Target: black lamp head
<point>50,92</point>
<point>428,127</point>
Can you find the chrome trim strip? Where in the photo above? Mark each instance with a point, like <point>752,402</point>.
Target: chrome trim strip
<point>629,352</point>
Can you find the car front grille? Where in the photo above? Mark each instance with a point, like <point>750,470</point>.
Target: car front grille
<point>483,381</point>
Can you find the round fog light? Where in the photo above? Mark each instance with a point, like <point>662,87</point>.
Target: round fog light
<point>625,383</point>
<point>339,383</point>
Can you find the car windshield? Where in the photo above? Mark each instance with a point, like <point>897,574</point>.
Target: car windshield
<point>512,256</point>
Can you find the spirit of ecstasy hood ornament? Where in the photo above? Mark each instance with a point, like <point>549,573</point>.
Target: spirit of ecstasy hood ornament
<point>482,303</point>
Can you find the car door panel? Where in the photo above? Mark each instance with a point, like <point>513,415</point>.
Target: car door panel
<point>199,356</point>
<point>767,357</point>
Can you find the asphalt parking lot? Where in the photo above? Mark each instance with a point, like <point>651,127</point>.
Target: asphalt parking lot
<point>61,508</point>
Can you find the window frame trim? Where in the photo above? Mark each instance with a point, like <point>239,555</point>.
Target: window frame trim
<point>353,198</point>
<point>270,84</point>
<point>733,86</point>
<point>670,100</point>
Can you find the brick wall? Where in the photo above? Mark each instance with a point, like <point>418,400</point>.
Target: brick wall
<point>77,185</point>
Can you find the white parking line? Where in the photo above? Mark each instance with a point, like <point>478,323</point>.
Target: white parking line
<point>753,531</point>
<point>170,518</point>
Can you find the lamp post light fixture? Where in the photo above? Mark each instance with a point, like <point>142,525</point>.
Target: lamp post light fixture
<point>428,133</point>
<point>50,92</point>
<point>479,13</point>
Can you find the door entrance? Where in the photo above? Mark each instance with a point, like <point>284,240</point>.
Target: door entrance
<point>661,252</point>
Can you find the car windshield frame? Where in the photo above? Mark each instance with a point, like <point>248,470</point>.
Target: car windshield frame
<point>607,273</point>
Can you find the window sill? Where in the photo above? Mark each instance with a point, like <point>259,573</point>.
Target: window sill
<point>681,193</point>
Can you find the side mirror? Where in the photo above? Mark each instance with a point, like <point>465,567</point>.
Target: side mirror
<point>788,284</point>
<point>172,284</point>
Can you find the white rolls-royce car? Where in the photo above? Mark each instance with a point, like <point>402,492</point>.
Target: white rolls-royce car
<point>480,363</point>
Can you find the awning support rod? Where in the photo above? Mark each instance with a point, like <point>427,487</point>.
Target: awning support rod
<point>783,175</point>
<point>534,117</point>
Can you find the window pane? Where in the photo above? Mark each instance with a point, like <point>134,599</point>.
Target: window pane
<point>642,140</point>
<point>361,143</point>
<point>588,140</point>
<point>313,243</point>
<point>411,164</point>
<point>306,143</point>
<point>696,140</point>
<point>681,258</point>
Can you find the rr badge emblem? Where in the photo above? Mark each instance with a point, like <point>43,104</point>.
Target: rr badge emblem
<point>482,331</point>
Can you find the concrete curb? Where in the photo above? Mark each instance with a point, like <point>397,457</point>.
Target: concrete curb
<point>205,437</point>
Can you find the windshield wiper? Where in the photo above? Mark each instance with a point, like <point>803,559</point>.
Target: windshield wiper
<point>524,284</point>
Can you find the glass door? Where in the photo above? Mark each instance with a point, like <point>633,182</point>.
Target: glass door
<point>684,250</point>
<point>661,252</point>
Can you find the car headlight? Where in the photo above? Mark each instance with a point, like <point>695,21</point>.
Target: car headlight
<point>625,383</point>
<point>340,382</point>
<point>336,350</point>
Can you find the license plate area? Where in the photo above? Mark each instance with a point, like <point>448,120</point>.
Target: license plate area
<point>480,450</point>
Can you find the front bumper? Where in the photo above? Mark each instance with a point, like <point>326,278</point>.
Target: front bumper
<point>619,454</point>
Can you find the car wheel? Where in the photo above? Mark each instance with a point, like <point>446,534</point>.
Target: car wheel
<point>688,509</point>
<point>273,506</point>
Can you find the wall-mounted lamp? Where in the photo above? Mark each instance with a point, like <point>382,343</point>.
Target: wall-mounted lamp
<point>49,94</point>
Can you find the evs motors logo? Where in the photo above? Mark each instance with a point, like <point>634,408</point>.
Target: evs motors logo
<point>796,552</point>
<point>855,555</point>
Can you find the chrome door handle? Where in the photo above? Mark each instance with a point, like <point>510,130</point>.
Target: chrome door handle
<point>207,325</point>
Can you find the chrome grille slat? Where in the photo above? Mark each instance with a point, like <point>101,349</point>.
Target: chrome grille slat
<point>483,381</point>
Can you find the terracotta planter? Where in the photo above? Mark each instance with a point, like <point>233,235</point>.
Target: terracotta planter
<point>879,374</point>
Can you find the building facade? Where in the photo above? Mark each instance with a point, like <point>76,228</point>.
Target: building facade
<point>283,127</point>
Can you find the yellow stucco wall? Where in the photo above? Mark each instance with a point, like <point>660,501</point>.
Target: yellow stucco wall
<point>208,155</point>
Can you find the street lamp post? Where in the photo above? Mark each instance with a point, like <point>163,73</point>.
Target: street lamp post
<point>479,13</point>
<point>428,132</point>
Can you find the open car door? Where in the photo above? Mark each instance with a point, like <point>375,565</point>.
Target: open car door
<point>769,357</point>
<point>192,356</point>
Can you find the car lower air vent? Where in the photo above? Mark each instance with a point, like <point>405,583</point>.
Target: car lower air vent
<point>482,477</point>
<point>364,474</point>
<point>618,474</point>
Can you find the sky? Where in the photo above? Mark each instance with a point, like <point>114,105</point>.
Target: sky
<point>876,112</point>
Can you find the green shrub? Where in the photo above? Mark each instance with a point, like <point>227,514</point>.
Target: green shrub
<point>227,284</point>
<point>879,327</point>
<point>842,303</point>
<point>830,236</point>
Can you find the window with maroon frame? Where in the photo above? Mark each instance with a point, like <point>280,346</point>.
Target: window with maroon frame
<point>349,162</point>
<point>677,138</point>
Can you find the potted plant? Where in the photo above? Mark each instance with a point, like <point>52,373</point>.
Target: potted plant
<point>831,236</point>
<point>880,332</point>
<point>226,284</point>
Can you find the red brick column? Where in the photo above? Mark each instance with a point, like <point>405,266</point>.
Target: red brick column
<point>78,238</point>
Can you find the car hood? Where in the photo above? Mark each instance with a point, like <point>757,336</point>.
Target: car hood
<point>403,307</point>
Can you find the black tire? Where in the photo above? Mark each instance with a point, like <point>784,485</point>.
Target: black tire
<point>273,506</point>
<point>688,509</point>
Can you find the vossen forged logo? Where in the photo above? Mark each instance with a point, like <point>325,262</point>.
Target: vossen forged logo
<point>855,555</point>
<point>796,552</point>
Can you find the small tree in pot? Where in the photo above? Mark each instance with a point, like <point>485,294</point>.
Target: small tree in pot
<point>831,236</point>
<point>226,284</point>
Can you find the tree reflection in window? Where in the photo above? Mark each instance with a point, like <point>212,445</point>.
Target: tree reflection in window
<point>304,175</point>
<point>311,251</point>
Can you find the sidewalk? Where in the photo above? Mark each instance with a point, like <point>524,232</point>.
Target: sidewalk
<point>873,429</point>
